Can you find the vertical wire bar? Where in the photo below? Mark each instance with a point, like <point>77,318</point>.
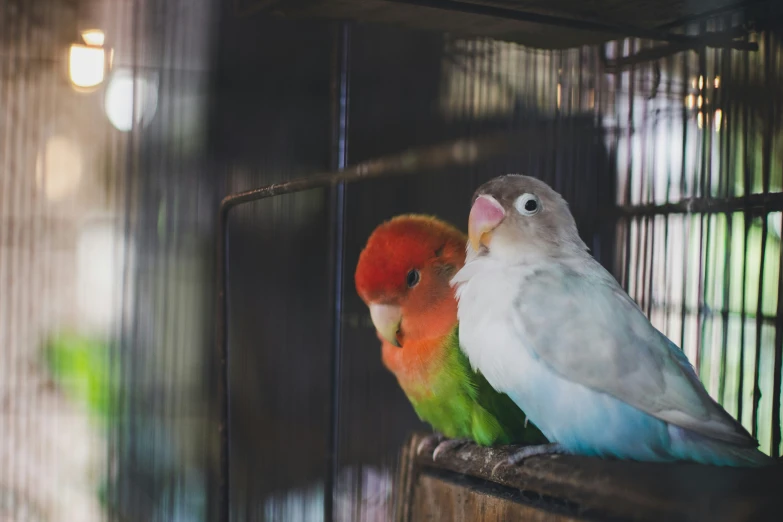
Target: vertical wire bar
<point>629,162</point>
<point>48,103</point>
<point>224,412</point>
<point>23,133</point>
<point>115,352</point>
<point>645,250</point>
<point>168,245</point>
<point>608,230</point>
<point>759,327</point>
<point>726,190</point>
<point>556,125</point>
<point>125,187</point>
<point>17,99</point>
<point>778,357</point>
<point>7,98</point>
<point>179,400</point>
<point>132,356</point>
<point>727,179</point>
<point>16,253</point>
<point>477,80</point>
<point>577,60</point>
<point>32,292</point>
<point>648,164</point>
<point>529,81</point>
<point>470,85</point>
<point>172,320</point>
<point>484,71</point>
<point>714,285</point>
<point>685,217</point>
<point>670,69</point>
<point>5,120</point>
<point>747,186</point>
<point>340,97</point>
<point>640,132</point>
<point>766,167</point>
<point>139,355</point>
<point>160,193</point>
<point>704,219</point>
<point>491,52</point>
<point>778,361</point>
<point>766,144</point>
<point>511,67</point>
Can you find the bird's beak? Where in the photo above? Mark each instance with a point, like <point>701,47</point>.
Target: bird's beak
<point>386,319</point>
<point>485,216</point>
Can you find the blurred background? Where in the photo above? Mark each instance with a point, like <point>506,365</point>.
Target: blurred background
<point>123,123</point>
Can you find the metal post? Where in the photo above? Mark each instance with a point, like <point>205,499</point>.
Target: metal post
<point>340,86</point>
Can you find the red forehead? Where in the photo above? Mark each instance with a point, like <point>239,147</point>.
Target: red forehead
<point>403,243</point>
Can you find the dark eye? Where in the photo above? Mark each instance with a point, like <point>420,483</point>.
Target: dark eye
<point>413,278</point>
<point>528,204</point>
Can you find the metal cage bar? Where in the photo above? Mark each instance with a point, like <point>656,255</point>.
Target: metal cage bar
<point>624,31</point>
<point>340,99</point>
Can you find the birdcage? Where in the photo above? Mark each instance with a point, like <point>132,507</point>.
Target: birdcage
<point>184,199</point>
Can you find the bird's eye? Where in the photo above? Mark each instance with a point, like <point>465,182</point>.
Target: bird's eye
<point>528,204</point>
<point>413,278</point>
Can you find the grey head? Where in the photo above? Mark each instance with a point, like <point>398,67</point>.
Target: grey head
<point>515,217</point>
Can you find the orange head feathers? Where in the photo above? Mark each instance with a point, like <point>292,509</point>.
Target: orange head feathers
<point>403,275</point>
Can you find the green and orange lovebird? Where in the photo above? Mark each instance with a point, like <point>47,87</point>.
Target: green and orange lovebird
<point>403,276</point>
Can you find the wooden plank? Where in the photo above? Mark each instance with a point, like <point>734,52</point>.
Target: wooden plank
<point>406,482</point>
<point>439,499</point>
<point>620,489</point>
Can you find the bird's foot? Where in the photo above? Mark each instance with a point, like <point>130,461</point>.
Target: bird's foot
<point>432,440</point>
<point>448,445</point>
<point>531,451</point>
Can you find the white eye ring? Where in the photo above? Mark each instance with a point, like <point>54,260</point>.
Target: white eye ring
<point>528,204</point>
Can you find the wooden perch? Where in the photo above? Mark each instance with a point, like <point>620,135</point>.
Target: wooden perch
<point>461,486</point>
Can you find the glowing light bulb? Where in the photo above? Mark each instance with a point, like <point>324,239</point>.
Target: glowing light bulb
<point>130,101</point>
<point>718,119</point>
<point>689,101</point>
<point>716,83</point>
<point>94,37</point>
<point>86,66</point>
<point>701,82</point>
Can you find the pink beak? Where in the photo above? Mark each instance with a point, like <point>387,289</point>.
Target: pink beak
<point>386,319</point>
<point>485,216</point>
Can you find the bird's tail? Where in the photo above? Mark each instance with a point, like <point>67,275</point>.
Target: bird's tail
<point>741,457</point>
<point>701,449</point>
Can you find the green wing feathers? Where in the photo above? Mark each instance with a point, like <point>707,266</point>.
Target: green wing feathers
<point>462,404</point>
<point>514,427</point>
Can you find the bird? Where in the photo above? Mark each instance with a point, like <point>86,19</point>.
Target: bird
<point>403,276</point>
<point>546,324</point>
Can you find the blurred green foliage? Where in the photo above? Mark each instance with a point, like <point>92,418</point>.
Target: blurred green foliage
<point>82,367</point>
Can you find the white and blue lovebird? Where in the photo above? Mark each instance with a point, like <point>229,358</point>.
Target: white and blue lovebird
<point>546,324</point>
